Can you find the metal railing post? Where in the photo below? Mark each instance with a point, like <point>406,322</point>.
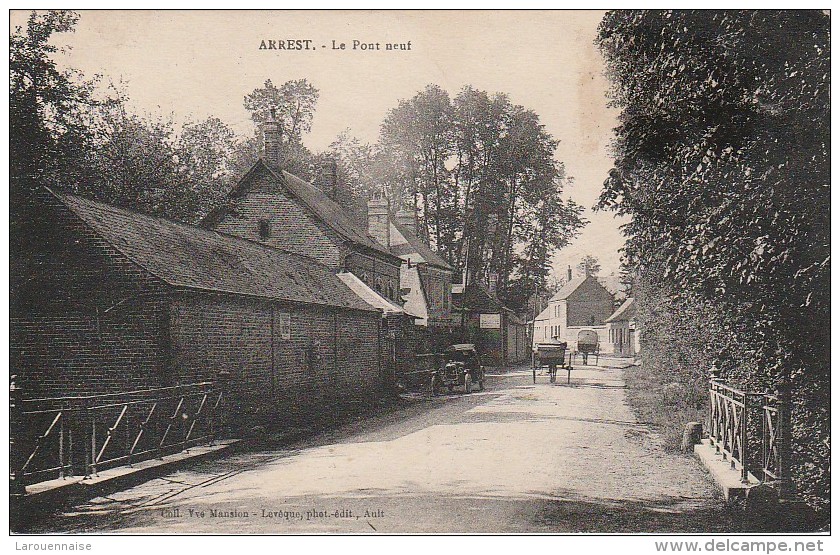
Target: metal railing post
<point>783,437</point>
<point>16,486</point>
<point>743,451</point>
<point>89,445</point>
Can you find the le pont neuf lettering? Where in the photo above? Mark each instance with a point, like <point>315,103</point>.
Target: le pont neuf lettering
<point>309,44</point>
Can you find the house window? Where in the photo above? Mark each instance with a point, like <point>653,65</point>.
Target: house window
<point>265,229</point>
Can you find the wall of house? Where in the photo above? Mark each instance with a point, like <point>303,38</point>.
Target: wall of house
<point>517,342</point>
<point>331,356</point>
<point>380,275</point>
<point>589,305</point>
<point>84,319</point>
<point>289,226</point>
<point>621,339</point>
<point>438,286</point>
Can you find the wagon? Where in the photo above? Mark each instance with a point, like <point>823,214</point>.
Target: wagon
<point>587,344</point>
<point>551,355</point>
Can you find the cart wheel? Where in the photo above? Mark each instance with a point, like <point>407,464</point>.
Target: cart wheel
<point>467,383</point>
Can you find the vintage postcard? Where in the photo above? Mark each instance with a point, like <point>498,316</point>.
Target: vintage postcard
<point>419,272</point>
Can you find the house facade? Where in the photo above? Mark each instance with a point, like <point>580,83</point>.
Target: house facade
<point>621,329</point>
<point>583,303</point>
<point>276,208</point>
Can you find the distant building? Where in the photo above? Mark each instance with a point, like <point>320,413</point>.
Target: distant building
<point>425,277</point>
<point>582,303</point>
<point>621,329</point>
<point>500,336</point>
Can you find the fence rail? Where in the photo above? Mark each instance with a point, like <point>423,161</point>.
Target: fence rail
<point>60,437</point>
<point>747,429</point>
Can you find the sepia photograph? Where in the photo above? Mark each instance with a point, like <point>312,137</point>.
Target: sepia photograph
<point>433,272</point>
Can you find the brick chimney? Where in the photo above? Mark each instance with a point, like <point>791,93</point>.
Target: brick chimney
<point>379,225</point>
<point>406,218</point>
<point>329,178</point>
<point>569,273</point>
<point>272,138</point>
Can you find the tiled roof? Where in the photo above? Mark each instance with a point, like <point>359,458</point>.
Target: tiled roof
<point>187,256</point>
<point>414,244</point>
<point>626,311</point>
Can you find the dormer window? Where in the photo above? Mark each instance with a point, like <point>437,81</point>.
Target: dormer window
<point>265,229</point>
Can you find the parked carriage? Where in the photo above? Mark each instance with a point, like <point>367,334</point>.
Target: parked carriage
<point>550,356</point>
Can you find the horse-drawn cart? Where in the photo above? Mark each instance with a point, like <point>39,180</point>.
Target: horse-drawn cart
<point>588,344</point>
<point>551,356</point>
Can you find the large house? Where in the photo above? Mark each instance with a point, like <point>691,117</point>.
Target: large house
<point>279,209</point>
<point>583,303</point>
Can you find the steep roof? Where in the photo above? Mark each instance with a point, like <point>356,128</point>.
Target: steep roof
<point>626,311</point>
<point>569,288</point>
<point>326,210</point>
<point>413,244</point>
<point>544,315</point>
<point>192,257</point>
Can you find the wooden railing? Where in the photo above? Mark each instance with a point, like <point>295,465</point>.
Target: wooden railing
<point>746,428</point>
<point>60,437</point>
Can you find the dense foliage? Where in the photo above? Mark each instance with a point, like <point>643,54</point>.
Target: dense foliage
<point>722,161</point>
<point>481,173</point>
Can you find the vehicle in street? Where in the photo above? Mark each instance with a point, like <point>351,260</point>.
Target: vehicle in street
<point>461,367</point>
<point>551,355</point>
<point>588,344</point>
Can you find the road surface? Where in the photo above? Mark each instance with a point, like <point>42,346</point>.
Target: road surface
<point>517,457</point>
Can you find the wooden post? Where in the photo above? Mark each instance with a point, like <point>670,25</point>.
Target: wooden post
<point>92,445</point>
<point>61,445</point>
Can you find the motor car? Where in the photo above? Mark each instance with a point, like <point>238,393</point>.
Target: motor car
<point>461,367</point>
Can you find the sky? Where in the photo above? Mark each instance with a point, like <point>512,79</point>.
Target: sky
<point>195,64</point>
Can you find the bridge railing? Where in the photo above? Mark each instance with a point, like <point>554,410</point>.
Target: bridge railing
<point>746,428</point>
<point>60,437</point>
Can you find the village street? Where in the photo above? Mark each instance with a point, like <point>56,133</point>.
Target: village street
<point>517,457</point>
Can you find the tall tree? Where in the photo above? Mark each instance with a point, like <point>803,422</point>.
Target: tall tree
<point>48,108</point>
<point>589,266</point>
<point>481,172</point>
<point>416,138</point>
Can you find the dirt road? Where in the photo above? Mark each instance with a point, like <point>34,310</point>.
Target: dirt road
<point>518,457</point>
